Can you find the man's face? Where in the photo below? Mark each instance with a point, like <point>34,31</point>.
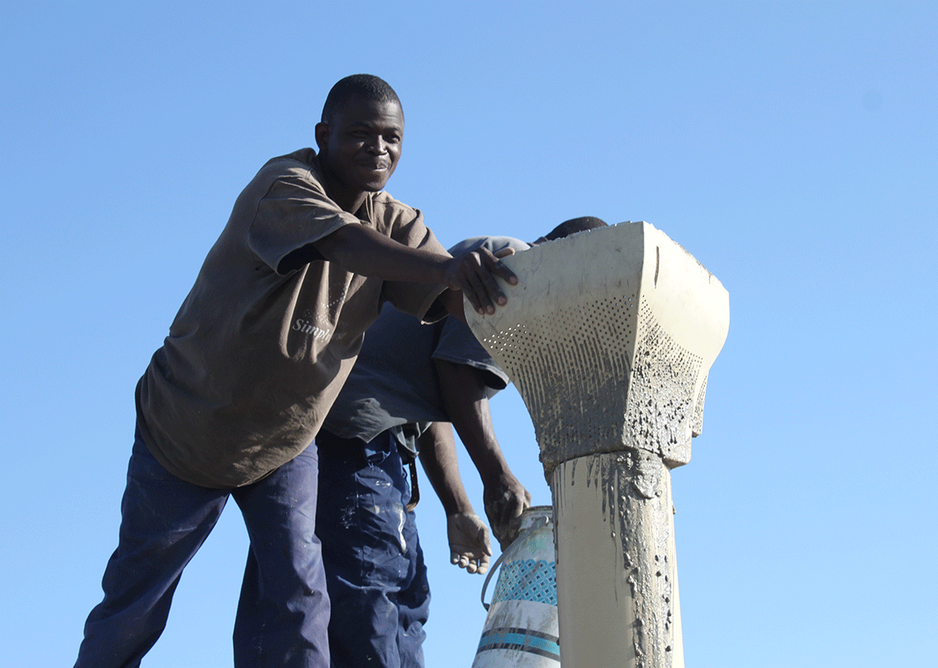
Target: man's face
<point>361,147</point>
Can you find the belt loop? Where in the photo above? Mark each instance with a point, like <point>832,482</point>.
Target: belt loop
<point>414,487</point>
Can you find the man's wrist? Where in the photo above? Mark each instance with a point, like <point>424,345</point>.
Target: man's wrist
<point>459,508</point>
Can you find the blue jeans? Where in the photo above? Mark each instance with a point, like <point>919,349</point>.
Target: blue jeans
<point>283,613</point>
<point>374,565</point>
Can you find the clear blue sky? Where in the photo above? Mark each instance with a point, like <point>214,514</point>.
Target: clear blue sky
<point>791,147</point>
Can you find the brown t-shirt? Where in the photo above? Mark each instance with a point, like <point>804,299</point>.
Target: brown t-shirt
<point>259,348</point>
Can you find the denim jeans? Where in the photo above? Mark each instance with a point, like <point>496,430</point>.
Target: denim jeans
<point>374,565</point>
<point>284,609</point>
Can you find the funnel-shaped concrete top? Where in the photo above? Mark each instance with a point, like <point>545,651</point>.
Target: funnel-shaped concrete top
<point>609,337</point>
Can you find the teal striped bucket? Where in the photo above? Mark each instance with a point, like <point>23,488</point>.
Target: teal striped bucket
<point>521,628</point>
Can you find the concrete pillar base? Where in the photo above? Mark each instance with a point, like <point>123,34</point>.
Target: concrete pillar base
<point>616,567</point>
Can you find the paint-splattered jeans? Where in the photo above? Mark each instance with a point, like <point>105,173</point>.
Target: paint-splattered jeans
<point>374,565</point>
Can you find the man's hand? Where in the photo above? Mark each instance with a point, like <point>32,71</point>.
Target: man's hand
<point>468,542</point>
<point>473,274</point>
<point>504,504</point>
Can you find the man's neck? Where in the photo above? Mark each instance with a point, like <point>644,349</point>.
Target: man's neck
<point>347,201</point>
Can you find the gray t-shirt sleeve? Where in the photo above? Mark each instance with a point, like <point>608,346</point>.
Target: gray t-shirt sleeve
<point>294,214</point>
<point>457,344</point>
<point>494,244</point>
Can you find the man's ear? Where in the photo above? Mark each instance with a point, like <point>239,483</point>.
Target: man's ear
<point>322,135</point>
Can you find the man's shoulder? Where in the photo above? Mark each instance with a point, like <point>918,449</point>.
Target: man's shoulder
<point>492,243</point>
<point>302,162</point>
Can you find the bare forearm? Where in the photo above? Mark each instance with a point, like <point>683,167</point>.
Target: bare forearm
<point>441,465</point>
<point>464,396</point>
<point>463,392</point>
<point>452,301</point>
<point>363,251</point>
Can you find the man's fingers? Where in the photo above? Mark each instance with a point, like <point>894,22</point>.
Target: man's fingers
<point>471,563</point>
<point>493,261</point>
<point>473,290</point>
<point>480,282</point>
<point>493,293</point>
<point>464,277</point>
<point>469,542</point>
<point>492,266</point>
<point>504,512</point>
<point>475,273</point>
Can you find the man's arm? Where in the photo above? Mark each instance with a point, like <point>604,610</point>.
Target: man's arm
<point>468,535</point>
<point>361,250</point>
<point>463,391</point>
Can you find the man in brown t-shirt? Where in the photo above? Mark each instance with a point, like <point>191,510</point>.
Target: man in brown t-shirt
<point>253,361</point>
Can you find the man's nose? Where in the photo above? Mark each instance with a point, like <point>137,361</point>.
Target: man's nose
<point>378,146</point>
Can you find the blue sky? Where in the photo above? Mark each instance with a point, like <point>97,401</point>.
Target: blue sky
<point>791,147</point>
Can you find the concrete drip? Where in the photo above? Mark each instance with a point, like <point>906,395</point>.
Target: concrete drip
<point>614,529</point>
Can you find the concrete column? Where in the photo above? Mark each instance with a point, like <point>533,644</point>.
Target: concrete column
<point>609,337</point>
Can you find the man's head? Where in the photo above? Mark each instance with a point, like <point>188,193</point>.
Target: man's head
<point>572,226</point>
<point>359,137</point>
<point>366,86</point>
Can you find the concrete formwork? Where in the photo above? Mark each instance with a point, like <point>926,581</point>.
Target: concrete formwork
<point>609,337</point>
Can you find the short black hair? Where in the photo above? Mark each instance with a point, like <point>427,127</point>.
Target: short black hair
<point>367,86</point>
<point>574,225</point>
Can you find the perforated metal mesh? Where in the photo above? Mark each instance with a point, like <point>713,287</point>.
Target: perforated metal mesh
<point>574,371</point>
